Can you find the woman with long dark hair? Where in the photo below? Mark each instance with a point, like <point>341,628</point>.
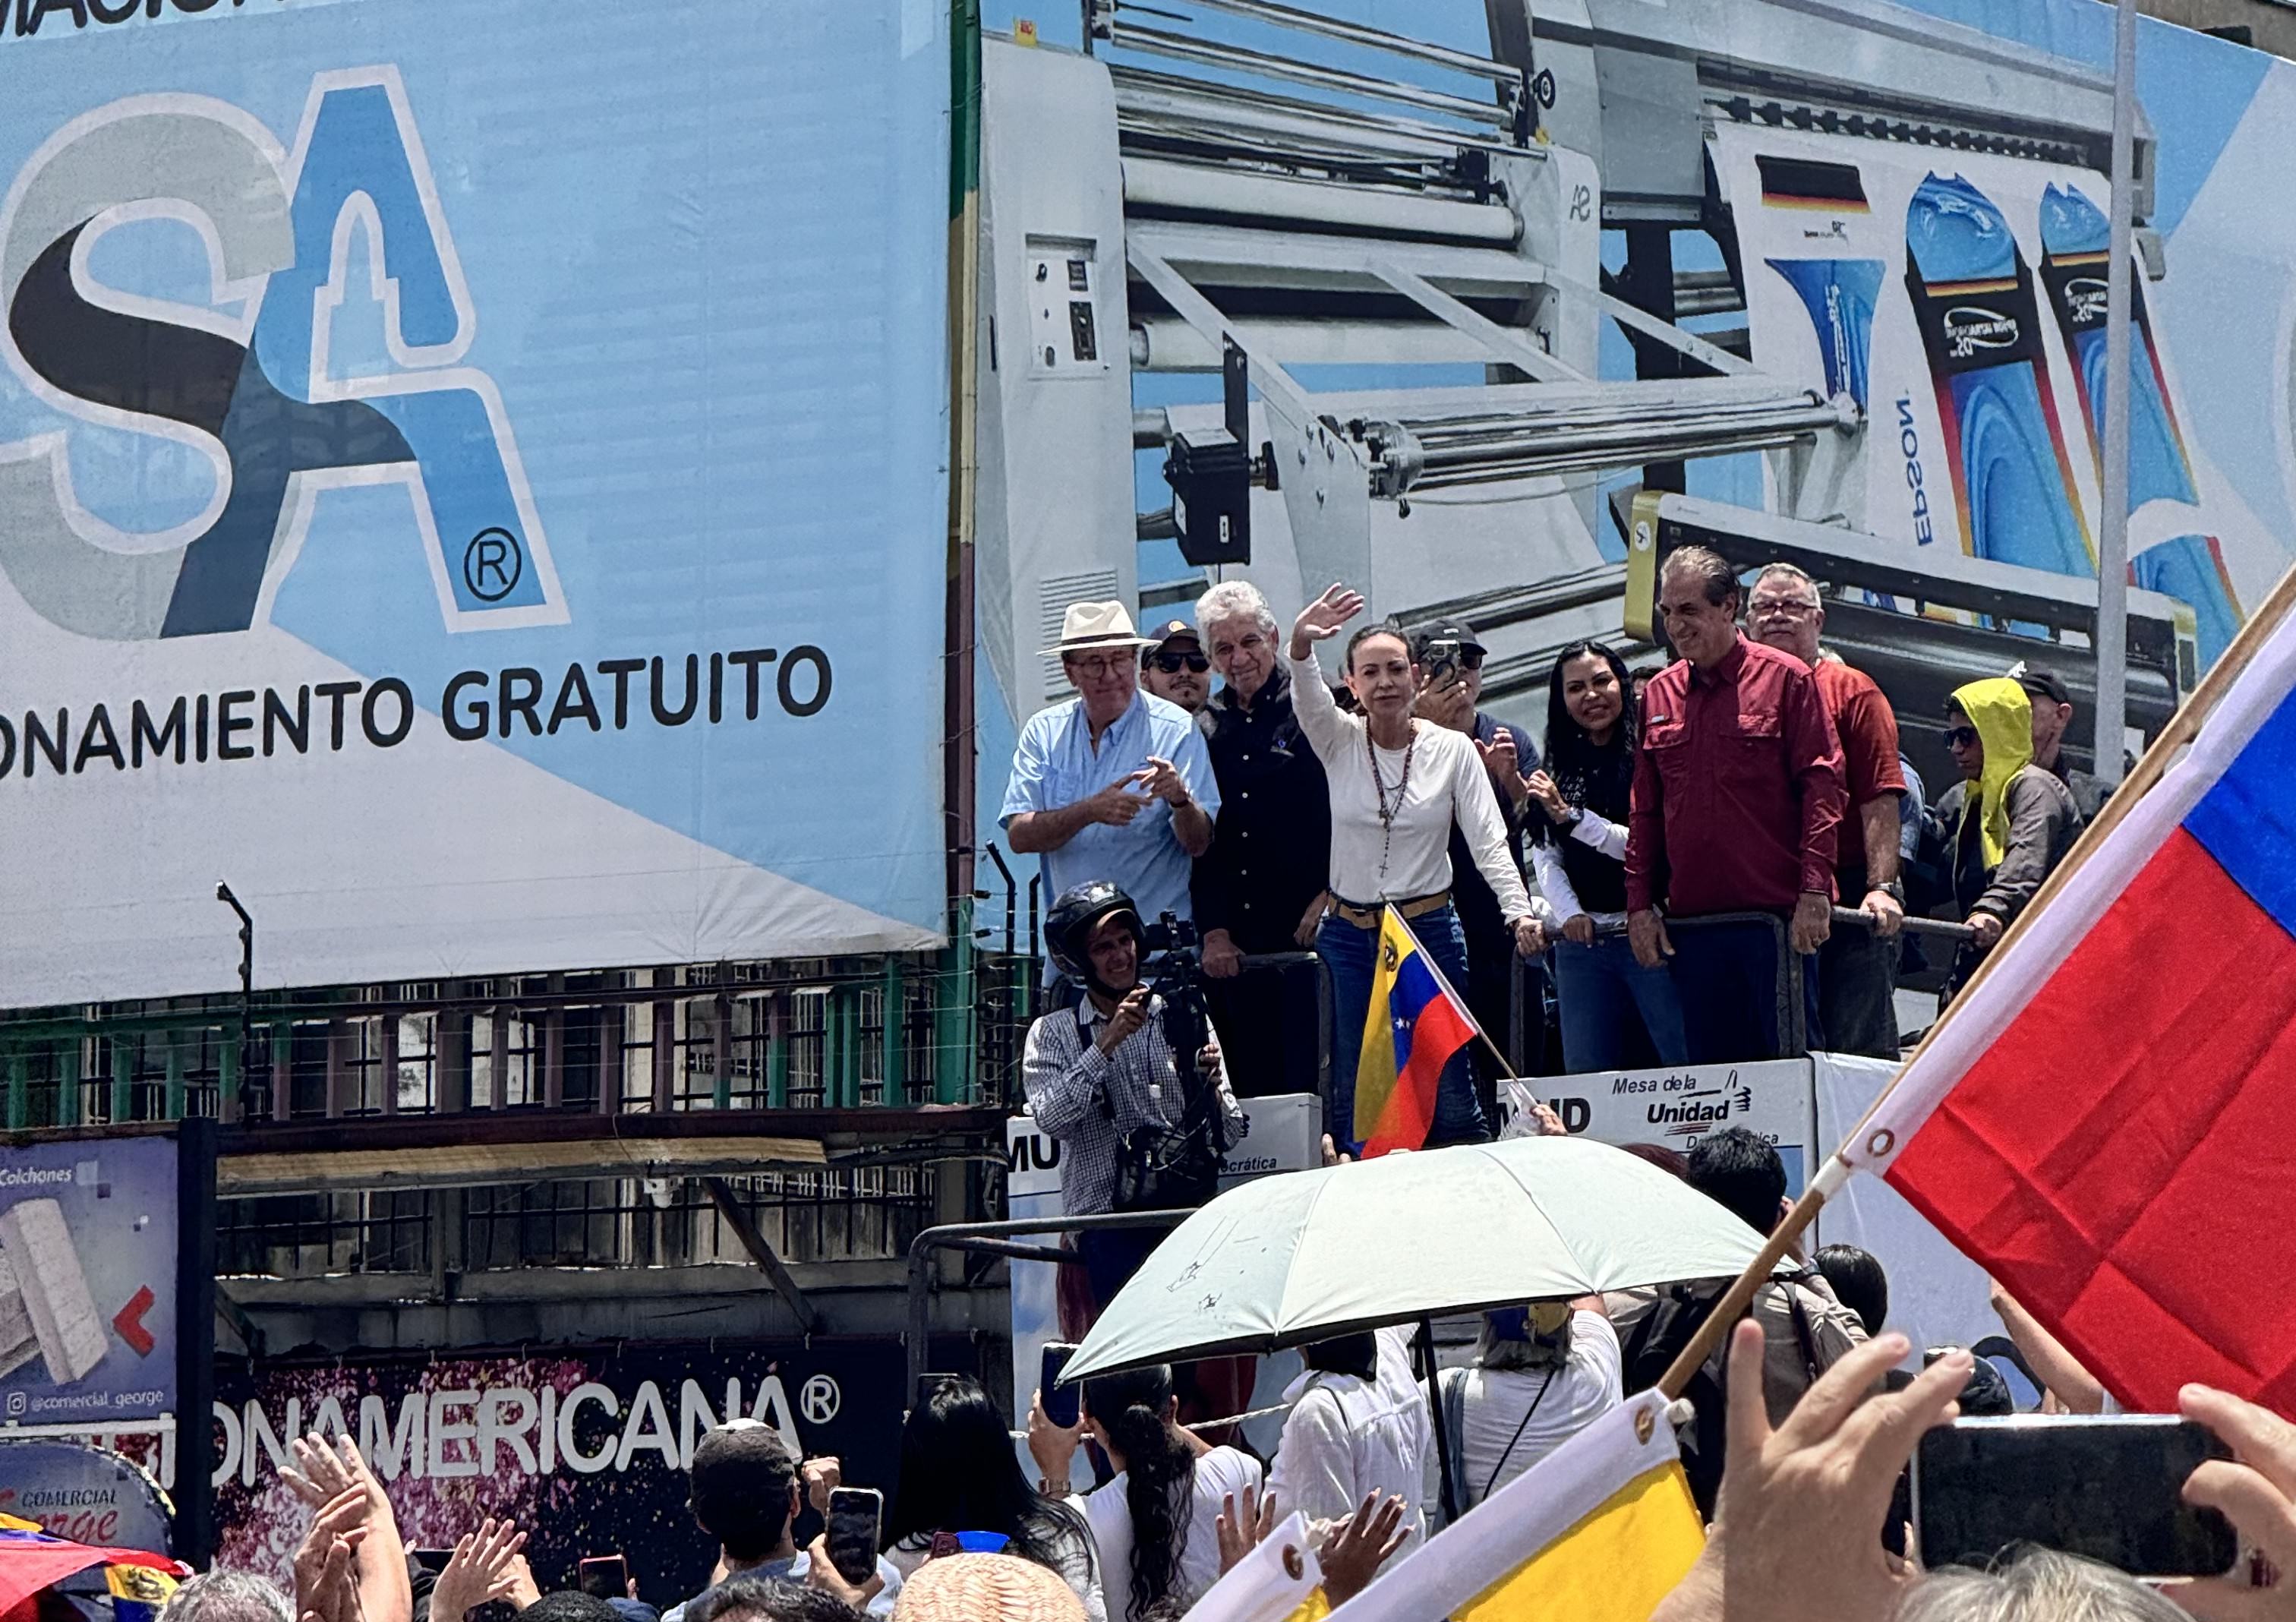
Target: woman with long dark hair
<point>1579,849</point>
<point>960,1481</point>
<point>1398,786</point>
<point>1154,1525</point>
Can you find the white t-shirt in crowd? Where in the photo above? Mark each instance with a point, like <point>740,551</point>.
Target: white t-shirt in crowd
<point>1346,1437</point>
<point>1448,784</point>
<point>1219,1473</point>
<point>1587,1385</point>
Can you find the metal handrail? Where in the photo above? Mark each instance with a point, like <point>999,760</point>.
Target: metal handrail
<point>1943,929</point>
<point>1793,1025</point>
<point>996,1239</point>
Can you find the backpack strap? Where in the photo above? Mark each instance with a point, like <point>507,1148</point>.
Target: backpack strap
<point>1451,1389</point>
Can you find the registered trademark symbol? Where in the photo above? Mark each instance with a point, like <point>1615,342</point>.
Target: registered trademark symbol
<point>492,564</point>
<point>818,1399</point>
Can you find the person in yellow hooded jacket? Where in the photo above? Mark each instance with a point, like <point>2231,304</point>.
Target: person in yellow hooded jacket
<point>2016,820</point>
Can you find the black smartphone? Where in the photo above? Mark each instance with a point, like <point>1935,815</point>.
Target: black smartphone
<point>432,1560</point>
<point>604,1577</point>
<point>854,1514</point>
<point>2105,1488</point>
<point>1061,1403</point>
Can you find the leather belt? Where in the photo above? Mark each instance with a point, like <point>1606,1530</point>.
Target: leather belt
<point>1367,917</point>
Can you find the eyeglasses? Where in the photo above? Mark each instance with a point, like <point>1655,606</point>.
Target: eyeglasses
<point>1471,658</point>
<point>1096,666</point>
<point>1960,737</point>
<point>1170,663</point>
<point>1794,606</point>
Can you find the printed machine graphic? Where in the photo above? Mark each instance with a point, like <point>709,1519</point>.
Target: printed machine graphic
<point>45,1309</point>
<point>1170,202</point>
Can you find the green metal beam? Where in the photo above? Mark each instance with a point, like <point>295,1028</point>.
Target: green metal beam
<point>778,1008</point>
<point>175,1043</point>
<point>893,1059</point>
<point>123,1079</point>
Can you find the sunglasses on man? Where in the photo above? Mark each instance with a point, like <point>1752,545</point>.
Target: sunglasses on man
<point>1960,737</point>
<point>1170,664</point>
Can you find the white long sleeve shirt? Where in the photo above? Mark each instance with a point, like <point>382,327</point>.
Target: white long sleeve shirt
<point>1448,784</point>
<point>1594,831</point>
<point>1345,1437</point>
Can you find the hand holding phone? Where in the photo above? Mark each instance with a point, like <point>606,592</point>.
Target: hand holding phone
<point>605,1577</point>
<point>2108,1488</point>
<point>1063,1403</point>
<point>855,1514</point>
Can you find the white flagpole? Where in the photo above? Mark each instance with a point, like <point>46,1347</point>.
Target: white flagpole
<point>2113,530</point>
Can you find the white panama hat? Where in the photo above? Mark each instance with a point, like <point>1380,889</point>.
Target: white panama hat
<point>1087,625</point>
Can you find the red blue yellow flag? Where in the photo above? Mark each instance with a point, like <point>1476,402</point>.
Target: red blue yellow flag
<point>1415,1022</point>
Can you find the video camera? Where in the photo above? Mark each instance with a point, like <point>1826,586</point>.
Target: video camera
<point>1441,661</point>
<point>1173,941</point>
<point>1177,1166</point>
<point>1170,933</point>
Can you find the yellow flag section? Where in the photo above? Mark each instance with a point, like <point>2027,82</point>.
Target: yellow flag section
<point>1600,1530</point>
<point>1277,1582</point>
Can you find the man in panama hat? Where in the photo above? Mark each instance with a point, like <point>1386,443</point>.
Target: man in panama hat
<point>1113,783</point>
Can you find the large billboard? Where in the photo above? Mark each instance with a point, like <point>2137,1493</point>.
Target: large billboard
<point>585,1448</point>
<point>472,479</point>
<point>1897,212</point>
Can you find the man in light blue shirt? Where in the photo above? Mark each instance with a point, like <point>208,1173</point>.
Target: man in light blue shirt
<point>1113,783</point>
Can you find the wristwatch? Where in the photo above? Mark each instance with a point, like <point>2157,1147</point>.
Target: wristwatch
<point>1894,890</point>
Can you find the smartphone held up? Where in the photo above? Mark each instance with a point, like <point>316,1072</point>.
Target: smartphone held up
<point>2108,1488</point>
<point>854,1516</point>
<point>605,1577</point>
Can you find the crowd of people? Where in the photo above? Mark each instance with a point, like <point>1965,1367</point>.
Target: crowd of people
<point>1802,1429</point>
<point>1653,853</point>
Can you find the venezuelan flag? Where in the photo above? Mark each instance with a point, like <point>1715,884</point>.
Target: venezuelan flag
<point>1415,1024</point>
<point>1600,1530</point>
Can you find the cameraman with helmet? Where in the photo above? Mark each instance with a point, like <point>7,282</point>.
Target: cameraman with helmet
<point>1104,1081</point>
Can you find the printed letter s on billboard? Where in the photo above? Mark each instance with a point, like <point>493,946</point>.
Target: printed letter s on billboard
<point>249,381</point>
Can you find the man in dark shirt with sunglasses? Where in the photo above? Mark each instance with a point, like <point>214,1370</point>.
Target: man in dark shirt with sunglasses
<point>1173,667</point>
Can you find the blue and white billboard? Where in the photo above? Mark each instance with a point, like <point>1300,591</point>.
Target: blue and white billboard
<point>473,478</point>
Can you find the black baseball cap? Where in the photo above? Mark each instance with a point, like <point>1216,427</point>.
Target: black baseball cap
<point>1445,630</point>
<point>1160,635</point>
<point>2044,684</point>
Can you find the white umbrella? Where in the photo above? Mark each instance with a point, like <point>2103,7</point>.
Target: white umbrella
<point>1293,1258</point>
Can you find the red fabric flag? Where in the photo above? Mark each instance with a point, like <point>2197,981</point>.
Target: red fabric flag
<point>2103,1122</point>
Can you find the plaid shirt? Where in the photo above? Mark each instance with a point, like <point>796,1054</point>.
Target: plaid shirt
<point>1090,1102</point>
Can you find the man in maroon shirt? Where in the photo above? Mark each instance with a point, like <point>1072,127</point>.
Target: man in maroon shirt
<point>1857,968</point>
<point>1736,807</point>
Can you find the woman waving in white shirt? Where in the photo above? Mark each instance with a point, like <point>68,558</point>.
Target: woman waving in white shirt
<point>1396,785</point>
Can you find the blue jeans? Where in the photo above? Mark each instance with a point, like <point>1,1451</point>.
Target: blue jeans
<point>1726,979</point>
<point>1351,954</point>
<point>1604,993</point>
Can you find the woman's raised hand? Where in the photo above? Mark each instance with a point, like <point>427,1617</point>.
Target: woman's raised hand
<point>1322,619</point>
